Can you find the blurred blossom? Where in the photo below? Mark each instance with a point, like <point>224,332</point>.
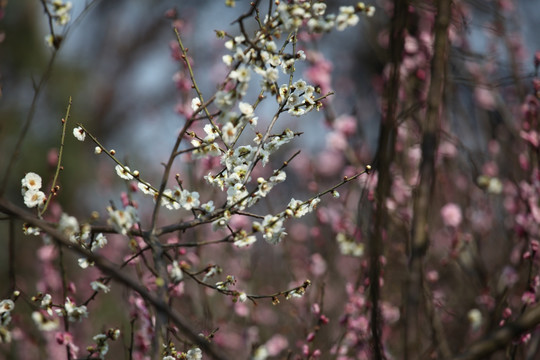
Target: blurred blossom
<point>475,319</point>
<point>345,124</point>
<point>484,98</point>
<point>320,71</point>
<point>390,313</point>
<point>276,344</point>
<point>329,163</point>
<point>318,264</point>
<point>507,279</point>
<point>336,141</point>
<point>451,215</point>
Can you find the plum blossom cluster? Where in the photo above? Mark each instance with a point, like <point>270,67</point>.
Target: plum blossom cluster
<point>69,225</point>
<point>122,220</point>
<point>272,226</point>
<point>81,235</point>
<point>236,174</point>
<point>259,54</point>
<point>43,319</point>
<point>72,312</point>
<point>101,347</point>
<point>314,14</point>
<point>173,354</point>
<point>348,246</point>
<point>31,185</point>
<point>60,12</point>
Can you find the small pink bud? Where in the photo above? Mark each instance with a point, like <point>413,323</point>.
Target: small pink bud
<point>324,320</point>
<point>534,245</point>
<point>52,157</point>
<point>125,199</point>
<point>171,14</point>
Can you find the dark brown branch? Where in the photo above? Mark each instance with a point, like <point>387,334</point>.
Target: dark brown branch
<point>423,195</point>
<point>383,162</point>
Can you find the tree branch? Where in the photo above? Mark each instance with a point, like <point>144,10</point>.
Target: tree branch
<point>501,337</point>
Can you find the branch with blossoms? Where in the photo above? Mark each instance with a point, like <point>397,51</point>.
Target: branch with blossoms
<point>242,145</point>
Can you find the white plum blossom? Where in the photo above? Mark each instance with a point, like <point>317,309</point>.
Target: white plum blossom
<point>102,347</point>
<point>346,17</point>
<point>195,103</point>
<point>242,74</point>
<point>245,108</point>
<point>123,220</point>
<point>175,272</point>
<point>33,198</point>
<point>84,263</point>
<point>171,199</point>
<point>271,228</point>
<point>146,189</point>
<point>211,133</point>
<point>214,180</point>
<point>79,133</point>
<point>348,246</point>
<point>220,223</point>
<point>296,110</point>
<point>242,239</point>
<point>229,133</point>
<point>46,303</point>
<point>6,306</point>
<point>235,194</point>
<point>31,181</point>
<point>189,200</point>
<point>194,354</point>
<point>242,296</point>
<point>69,225</point>
<point>99,286</point>
<point>227,59</point>
<point>297,208</point>
<point>123,172</point>
<point>293,100</point>
<point>224,100</point>
<point>60,11</point>
<point>300,86</point>
<point>294,294</point>
<point>99,242</point>
<point>73,313</point>
<point>30,230</point>
<point>475,318</point>
<point>208,207</point>
<point>44,323</point>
